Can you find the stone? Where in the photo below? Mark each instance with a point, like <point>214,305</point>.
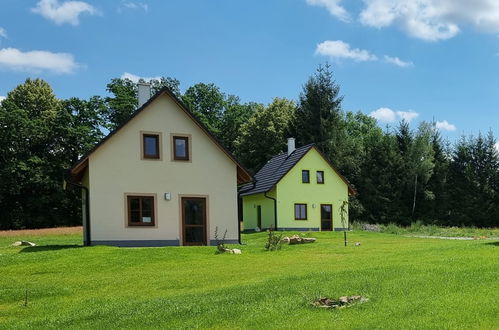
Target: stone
<point>308,239</point>
<point>23,243</point>
<point>344,300</point>
<point>357,243</point>
<point>295,239</point>
<point>285,240</point>
<point>236,251</point>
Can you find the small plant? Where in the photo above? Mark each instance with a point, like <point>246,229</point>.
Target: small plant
<point>273,240</point>
<point>220,242</point>
<point>344,213</point>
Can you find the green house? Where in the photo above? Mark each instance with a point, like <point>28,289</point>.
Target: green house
<point>297,190</point>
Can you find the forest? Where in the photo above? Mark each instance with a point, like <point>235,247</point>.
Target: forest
<point>402,174</point>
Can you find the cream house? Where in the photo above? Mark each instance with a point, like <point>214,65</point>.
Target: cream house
<point>159,179</point>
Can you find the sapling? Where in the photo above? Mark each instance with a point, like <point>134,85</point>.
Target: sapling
<point>344,214</point>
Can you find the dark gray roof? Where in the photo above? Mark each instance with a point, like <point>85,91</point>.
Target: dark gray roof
<point>274,170</point>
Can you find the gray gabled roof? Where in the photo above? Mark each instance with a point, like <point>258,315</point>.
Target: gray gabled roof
<point>274,170</point>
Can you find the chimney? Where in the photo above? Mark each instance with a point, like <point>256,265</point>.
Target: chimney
<point>144,92</point>
<point>291,145</point>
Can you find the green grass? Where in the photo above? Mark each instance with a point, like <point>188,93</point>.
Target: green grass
<point>410,282</point>
<point>419,229</point>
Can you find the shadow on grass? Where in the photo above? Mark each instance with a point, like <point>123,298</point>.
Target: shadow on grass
<point>49,248</point>
<point>495,243</point>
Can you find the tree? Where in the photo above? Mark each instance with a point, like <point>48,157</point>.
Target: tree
<point>208,103</point>
<point>318,117</point>
<point>32,159</point>
<point>234,117</point>
<point>264,134</point>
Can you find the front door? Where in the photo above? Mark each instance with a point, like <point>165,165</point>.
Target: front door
<point>259,216</point>
<point>326,217</point>
<point>194,221</point>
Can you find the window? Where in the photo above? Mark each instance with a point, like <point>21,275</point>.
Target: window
<point>305,176</point>
<point>320,177</point>
<point>151,145</point>
<point>181,148</point>
<point>140,210</point>
<point>300,211</point>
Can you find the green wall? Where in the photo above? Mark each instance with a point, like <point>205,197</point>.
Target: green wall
<point>250,204</point>
<point>291,190</point>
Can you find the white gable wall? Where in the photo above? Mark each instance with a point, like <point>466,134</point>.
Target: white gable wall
<point>116,168</point>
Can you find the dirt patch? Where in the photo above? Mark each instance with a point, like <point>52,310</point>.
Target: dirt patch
<point>341,302</point>
<point>42,232</point>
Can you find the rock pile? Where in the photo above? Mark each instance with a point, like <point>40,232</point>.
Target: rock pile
<point>341,302</point>
<point>296,239</point>
<point>23,243</point>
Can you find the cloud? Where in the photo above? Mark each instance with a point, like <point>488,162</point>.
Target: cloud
<point>445,126</point>
<point>37,61</point>
<point>136,78</point>
<point>66,12</point>
<point>432,20</point>
<point>388,115</point>
<point>341,50</point>
<point>3,33</point>
<point>337,49</point>
<point>333,7</point>
<point>2,98</point>
<point>133,5</point>
<point>497,146</point>
<point>398,62</point>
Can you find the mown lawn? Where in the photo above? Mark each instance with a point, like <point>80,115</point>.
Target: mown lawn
<point>410,283</point>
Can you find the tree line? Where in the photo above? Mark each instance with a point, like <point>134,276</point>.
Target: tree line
<point>401,175</point>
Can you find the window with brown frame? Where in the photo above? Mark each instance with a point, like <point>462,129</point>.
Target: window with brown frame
<point>150,146</point>
<point>320,177</point>
<point>305,176</point>
<point>300,211</point>
<point>180,148</point>
<point>140,210</point>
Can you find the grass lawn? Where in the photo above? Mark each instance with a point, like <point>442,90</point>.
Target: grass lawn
<point>410,283</point>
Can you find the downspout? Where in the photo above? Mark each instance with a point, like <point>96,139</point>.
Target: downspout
<point>86,241</point>
<point>275,209</point>
<point>238,222</point>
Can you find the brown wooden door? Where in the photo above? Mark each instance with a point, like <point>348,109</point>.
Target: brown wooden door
<point>326,217</point>
<point>259,216</point>
<point>194,221</point>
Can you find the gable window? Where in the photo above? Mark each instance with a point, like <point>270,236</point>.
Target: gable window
<point>300,211</point>
<point>181,148</point>
<point>140,210</point>
<point>151,145</point>
<point>305,176</point>
<point>320,177</point>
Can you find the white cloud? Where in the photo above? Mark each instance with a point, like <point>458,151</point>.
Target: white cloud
<point>2,98</point>
<point>388,115</point>
<point>432,20</point>
<point>497,146</point>
<point>338,49</point>
<point>133,5</point>
<point>445,126</point>
<point>408,116</point>
<point>3,33</point>
<point>398,62</point>
<point>66,12</point>
<point>333,6</point>
<point>37,61</point>
<point>136,78</point>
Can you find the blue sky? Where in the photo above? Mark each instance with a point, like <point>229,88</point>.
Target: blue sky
<point>419,60</point>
